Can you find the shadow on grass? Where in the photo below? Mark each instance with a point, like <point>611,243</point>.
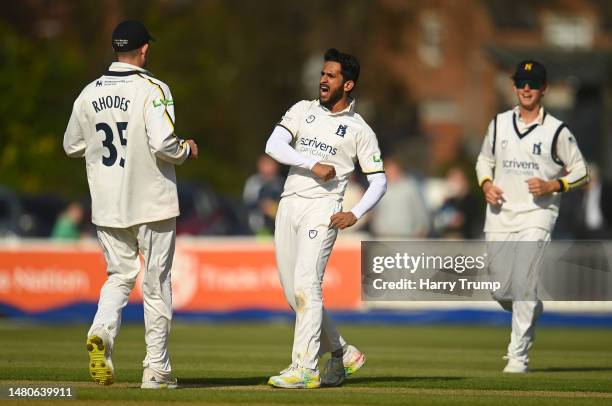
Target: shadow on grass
<point>400,379</point>
<point>577,369</point>
<point>262,380</point>
<point>213,382</point>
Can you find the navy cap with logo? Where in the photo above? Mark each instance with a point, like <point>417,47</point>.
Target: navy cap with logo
<point>530,70</point>
<point>130,35</point>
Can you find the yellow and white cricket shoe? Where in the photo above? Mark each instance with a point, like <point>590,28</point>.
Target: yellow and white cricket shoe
<point>152,381</point>
<point>353,360</point>
<point>333,374</point>
<point>296,378</point>
<point>100,364</point>
<point>515,366</point>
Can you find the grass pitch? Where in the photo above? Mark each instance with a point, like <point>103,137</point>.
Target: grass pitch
<point>230,363</point>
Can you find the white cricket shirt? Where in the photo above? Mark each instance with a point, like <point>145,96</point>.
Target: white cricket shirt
<point>339,139</point>
<point>512,153</point>
<point>123,125</point>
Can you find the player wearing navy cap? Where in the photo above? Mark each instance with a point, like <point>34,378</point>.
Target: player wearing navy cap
<point>528,159</point>
<point>123,125</point>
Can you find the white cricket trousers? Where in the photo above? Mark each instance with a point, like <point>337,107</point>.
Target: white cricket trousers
<point>303,242</point>
<point>515,258</point>
<point>155,242</point>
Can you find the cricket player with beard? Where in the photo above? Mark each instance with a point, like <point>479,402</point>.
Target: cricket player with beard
<point>528,159</point>
<point>123,125</point>
<point>321,140</point>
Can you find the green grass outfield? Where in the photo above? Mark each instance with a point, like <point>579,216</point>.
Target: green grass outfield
<point>230,363</point>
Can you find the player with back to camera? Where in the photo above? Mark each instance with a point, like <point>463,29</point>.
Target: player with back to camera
<point>528,158</point>
<point>321,140</point>
<point>123,125</point>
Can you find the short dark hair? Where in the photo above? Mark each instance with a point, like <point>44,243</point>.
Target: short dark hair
<point>349,64</point>
<point>129,54</point>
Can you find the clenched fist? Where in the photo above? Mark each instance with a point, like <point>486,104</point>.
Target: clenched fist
<point>493,194</point>
<point>194,149</point>
<point>343,220</point>
<point>323,171</point>
<point>539,187</point>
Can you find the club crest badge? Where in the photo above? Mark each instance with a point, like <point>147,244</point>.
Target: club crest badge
<point>312,234</point>
<point>310,119</point>
<point>537,149</point>
<point>341,131</point>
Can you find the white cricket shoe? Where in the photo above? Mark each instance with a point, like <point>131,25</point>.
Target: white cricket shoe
<point>101,367</point>
<point>334,373</point>
<point>515,366</point>
<point>296,378</point>
<point>152,381</point>
<point>353,360</point>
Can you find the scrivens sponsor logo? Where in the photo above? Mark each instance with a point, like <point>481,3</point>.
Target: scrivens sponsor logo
<point>514,164</point>
<point>316,147</point>
<point>520,167</point>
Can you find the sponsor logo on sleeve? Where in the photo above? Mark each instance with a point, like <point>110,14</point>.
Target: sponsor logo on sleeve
<point>163,102</point>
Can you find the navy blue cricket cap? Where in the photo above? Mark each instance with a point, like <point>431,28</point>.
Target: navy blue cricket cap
<point>530,70</point>
<point>129,35</point>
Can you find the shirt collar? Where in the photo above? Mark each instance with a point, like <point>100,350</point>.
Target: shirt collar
<point>539,120</point>
<point>348,109</point>
<point>123,67</point>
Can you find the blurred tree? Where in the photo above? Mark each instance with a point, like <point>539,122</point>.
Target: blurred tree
<point>233,66</point>
<point>232,76</point>
<point>35,77</point>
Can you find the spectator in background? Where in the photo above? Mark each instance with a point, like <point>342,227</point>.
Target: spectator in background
<point>606,202</point>
<point>595,226</point>
<point>68,225</point>
<point>402,212</point>
<point>461,213</point>
<point>592,222</point>
<point>261,195</point>
<point>584,214</point>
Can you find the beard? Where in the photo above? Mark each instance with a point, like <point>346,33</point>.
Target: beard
<point>333,98</point>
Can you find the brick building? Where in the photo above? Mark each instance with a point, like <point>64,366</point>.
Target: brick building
<point>454,58</point>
